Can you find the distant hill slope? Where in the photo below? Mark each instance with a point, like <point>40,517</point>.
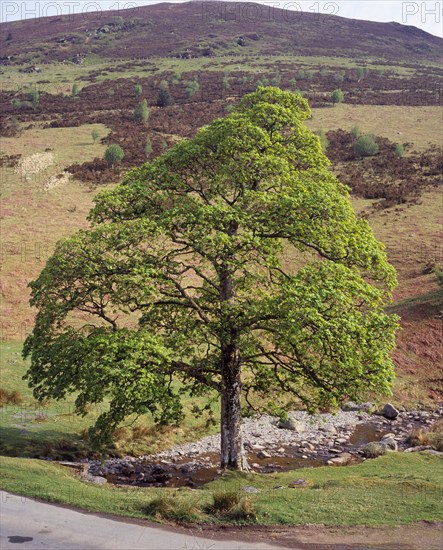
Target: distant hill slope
<point>211,28</point>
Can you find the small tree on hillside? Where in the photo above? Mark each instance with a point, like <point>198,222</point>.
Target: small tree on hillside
<point>439,274</point>
<point>75,90</point>
<point>337,96</point>
<point>141,112</point>
<point>181,283</point>
<point>148,148</point>
<point>324,141</point>
<point>95,134</point>
<point>138,90</point>
<point>355,131</point>
<point>34,97</point>
<point>366,146</point>
<point>192,88</point>
<point>399,149</point>
<point>114,154</point>
<point>164,98</point>
<point>339,78</point>
<point>276,79</point>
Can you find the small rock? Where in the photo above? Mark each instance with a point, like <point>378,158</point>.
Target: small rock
<point>292,424</point>
<point>352,406</point>
<point>250,489</point>
<point>418,449</point>
<point>389,411</point>
<point>342,460</point>
<point>388,436</point>
<point>97,480</point>
<point>298,483</point>
<point>433,452</point>
<point>390,444</point>
<point>307,445</point>
<point>264,454</point>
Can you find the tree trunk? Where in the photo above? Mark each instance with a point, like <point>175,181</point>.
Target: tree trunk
<point>232,450</point>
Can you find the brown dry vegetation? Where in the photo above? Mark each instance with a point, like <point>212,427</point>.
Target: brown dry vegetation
<point>213,28</point>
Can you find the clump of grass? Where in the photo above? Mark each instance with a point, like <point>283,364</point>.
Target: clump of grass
<point>436,436</point>
<point>141,438</point>
<point>171,508</point>
<point>418,437</point>
<point>432,437</point>
<point>225,501</point>
<point>140,432</point>
<point>373,449</point>
<point>62,449</point>
<point>232,505</point>
<point>10,397</point>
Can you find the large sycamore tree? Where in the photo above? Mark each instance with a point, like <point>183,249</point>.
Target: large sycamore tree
<point>232,265</point>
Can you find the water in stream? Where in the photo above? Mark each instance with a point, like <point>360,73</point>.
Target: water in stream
<point>196,471</point>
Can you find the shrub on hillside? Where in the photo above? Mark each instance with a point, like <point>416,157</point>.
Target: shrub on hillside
<point>324,141</point>
<point>337,96</point>
<point>355,131</point>
<point>164,98</point>
<point>366,146</point>
<point>399,150</point>
<point>141,112</point>
<point>114,154</point>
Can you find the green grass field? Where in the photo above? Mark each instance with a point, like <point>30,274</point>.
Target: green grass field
<point>390,490</point>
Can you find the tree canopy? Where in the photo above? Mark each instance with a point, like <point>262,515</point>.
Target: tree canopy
<point>232,266</point>
<point>142,112</point>
<point>114,154</point>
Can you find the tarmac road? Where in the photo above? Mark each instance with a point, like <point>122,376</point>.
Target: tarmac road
<point>30,525</point>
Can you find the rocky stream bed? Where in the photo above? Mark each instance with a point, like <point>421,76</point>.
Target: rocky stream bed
<point>272,445</point>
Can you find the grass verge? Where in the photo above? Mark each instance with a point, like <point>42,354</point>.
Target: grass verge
<point>395,489</point>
